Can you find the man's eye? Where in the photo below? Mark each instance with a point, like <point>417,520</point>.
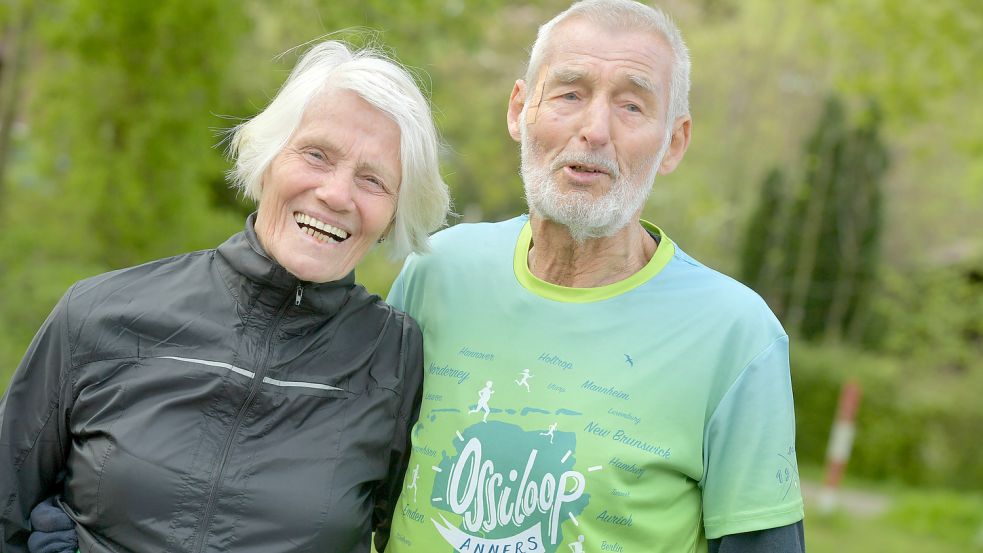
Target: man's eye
<point>570,96</point>
<point>314,154</point>
<point>634,108</point>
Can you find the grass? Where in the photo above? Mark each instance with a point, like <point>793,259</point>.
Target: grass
<point>842,533</point>
<point>915,521</point>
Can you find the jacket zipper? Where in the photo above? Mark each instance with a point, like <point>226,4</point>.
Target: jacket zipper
<point>300,294</point>
<point>223,461</point>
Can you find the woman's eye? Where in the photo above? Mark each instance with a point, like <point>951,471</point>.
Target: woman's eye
<point>314,154</point>
<point>374,184</point>
<point>634,108</point>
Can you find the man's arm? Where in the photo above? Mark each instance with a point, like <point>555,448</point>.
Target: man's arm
<point>784,539</point>
<point>53,531</point>
<point>751,481</point>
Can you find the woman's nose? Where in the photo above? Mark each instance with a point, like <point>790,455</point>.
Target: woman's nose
<point>336,190</point>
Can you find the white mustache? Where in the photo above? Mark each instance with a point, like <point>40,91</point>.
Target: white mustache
<point>596,160</point>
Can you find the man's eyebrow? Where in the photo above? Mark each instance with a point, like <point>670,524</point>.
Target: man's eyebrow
<point>566,76</point>
<point>644,83</point>
<point>570,75</point>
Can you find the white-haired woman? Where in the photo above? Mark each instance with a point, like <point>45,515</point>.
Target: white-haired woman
<point>252,397</point>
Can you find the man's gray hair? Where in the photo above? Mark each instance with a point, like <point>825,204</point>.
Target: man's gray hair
<point>623,16</point>
<point>422,202</point>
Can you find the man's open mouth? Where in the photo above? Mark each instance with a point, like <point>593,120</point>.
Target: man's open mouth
<point>587,169</point>
<point>319,229</point>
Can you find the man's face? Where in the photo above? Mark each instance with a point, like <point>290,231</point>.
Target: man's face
<point>330,194</point>
<point>593,130</point>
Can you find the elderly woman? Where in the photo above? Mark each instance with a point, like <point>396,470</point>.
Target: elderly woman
<point>249,398</point>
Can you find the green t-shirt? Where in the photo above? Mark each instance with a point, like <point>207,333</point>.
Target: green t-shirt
<point>643,416</point>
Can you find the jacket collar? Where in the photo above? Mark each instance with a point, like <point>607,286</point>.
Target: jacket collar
<point>251,273</point>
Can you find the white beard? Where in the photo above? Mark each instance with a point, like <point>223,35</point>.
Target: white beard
<point>585,216</point>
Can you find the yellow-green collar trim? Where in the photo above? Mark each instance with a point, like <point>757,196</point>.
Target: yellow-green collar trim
<point>531,282</point>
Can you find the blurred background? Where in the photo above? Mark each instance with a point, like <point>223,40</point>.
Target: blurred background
<point>836,167</point>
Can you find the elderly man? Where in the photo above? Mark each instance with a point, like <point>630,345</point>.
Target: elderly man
<point>658,413</point>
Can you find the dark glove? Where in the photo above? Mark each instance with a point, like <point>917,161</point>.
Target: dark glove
<point>53,530</point>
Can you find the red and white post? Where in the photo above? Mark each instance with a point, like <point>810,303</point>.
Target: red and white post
<point>840,444</point>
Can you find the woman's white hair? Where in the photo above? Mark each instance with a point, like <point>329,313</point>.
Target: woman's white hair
<point>422,202</point>
<point>624,16</point>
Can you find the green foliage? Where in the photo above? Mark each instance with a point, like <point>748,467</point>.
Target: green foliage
<point>117,165</point>
<point>762,239</point>
<point>816,259</point>
<point>933,315</point>
<point>132,166</point>
<point>914,425</point>
<point>377,272</point>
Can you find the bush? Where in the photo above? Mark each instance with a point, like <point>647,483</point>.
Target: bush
<point>914,424</point>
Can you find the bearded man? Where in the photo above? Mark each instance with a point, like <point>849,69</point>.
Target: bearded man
<point>664,385</point>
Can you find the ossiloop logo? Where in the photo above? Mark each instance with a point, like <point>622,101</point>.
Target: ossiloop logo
<point>511,497</point>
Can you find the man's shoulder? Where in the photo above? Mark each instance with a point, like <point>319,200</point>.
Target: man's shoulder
<point>476,254</point>
<point>471,236</point>
<point>466,244</point>
<point>730,297</point>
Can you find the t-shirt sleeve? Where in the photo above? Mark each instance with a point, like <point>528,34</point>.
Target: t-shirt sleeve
<point>397,292</point>
<point>751,479</point>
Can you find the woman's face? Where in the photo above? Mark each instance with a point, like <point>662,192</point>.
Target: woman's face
<point>330,194</point>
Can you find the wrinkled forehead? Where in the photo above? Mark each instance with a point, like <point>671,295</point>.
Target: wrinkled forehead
<point>580,70</point>
<point>342,121</point>
<point>576,46</point>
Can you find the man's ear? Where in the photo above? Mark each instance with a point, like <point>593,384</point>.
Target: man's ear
<point>516,102</point>
<point>678,144</point>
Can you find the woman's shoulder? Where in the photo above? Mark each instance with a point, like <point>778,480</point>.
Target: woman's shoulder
<point>131,298</point>
<point>389,317</point>
<point>138,278</point>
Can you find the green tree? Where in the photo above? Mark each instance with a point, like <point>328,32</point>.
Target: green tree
<point>859,210</point>
<point>16,22</point>
<point>117,164</point>
<point>831,239</point>
<point>810,225</point>
<point>761,251</point>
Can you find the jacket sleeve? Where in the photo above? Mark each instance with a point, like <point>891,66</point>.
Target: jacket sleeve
<point>784,539</point>
<point>387,492</point>
<point>33,433</point>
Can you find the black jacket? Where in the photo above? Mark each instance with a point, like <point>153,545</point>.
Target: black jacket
<point>212,402</point>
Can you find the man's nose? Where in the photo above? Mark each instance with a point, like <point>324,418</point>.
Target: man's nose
<point>336,190</point>
<point>596,124</point>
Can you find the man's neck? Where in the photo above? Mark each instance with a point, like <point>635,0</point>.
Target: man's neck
<point>557,258</point>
